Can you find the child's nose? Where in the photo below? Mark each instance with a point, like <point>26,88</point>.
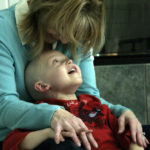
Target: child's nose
<point>69,61</point>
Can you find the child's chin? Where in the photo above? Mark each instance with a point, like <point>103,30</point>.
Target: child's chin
<point>80,82</point>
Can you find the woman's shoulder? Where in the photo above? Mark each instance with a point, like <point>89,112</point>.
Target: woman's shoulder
<point>7,19</point>
<point>8,30</point>
<point>7,14</point>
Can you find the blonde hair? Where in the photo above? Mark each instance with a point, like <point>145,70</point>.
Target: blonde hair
<point>80,21</point>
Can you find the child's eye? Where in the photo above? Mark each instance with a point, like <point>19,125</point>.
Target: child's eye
<point>55,61</point>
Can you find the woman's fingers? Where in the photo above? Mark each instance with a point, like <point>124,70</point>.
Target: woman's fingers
<point>85,141</point>
<point>135,130</point>
<point>86,136</point>
<point>75,138</point>
<point>146,141</point>
<point>143,140</point>
<point>83,127</point>
<point>70,134</point>
<point>78,125</point>
<point>92,140</point>
<point>57,131</point>
<point>139,134</point>
<point>89,135</point>
<point>128,118</point>
<point>121,123</point>
<point>74,127</point>
<point>71,130</point>
<point>64,121</point>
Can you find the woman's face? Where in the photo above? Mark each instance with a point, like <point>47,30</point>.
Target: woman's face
<point>52,36</point>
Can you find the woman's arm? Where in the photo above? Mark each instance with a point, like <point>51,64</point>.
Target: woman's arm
<point>89,83</point>
<point>15,112</point>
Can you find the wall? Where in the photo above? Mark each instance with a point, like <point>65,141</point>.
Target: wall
<point>7,3</point>
<point>128,85</point>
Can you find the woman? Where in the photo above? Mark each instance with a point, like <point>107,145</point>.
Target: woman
<point>73,27</point>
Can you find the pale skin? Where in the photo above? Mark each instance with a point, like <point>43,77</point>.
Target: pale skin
<point>49,88</point>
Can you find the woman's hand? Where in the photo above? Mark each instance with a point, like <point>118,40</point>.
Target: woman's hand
<point>74,127</point>
<point>129,118</point>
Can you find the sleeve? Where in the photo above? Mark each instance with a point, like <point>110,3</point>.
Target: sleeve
<point>12,141</point>
<point>89,83</point>
<point>123,139</point>
<point>14,112</point>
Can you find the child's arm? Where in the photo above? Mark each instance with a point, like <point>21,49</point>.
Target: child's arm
<point>134,146</point>
<point>35,138</point>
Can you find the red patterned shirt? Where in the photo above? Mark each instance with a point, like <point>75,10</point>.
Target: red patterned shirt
<point>95,115</point>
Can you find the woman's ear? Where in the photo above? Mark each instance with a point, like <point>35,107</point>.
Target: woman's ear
<point>40,86</point>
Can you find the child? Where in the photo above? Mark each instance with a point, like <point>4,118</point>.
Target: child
<point>53,78</point>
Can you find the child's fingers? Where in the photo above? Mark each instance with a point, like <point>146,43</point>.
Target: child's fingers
<point>65,134</point>
<point>62,139</point>
<point>52,135</point>
<point>57,134</point>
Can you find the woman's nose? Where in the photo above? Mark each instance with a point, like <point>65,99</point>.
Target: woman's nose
<point>63,41</point>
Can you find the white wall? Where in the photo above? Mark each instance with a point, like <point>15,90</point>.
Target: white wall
<point>3,4</point>
<point>11,2</point>
<point>7,3</point>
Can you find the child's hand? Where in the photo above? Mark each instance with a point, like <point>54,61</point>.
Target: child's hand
<point>51,135</point>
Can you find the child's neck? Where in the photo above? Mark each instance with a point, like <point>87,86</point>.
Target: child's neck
<point>64,96</point>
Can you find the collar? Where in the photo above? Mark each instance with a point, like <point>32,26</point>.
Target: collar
<point>60,102</point>
<point>20,9</point>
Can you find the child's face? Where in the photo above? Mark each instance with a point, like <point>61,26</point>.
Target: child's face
<point>61,72</point>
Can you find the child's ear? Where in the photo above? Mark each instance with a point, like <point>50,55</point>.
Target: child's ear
<point>41,86</point>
